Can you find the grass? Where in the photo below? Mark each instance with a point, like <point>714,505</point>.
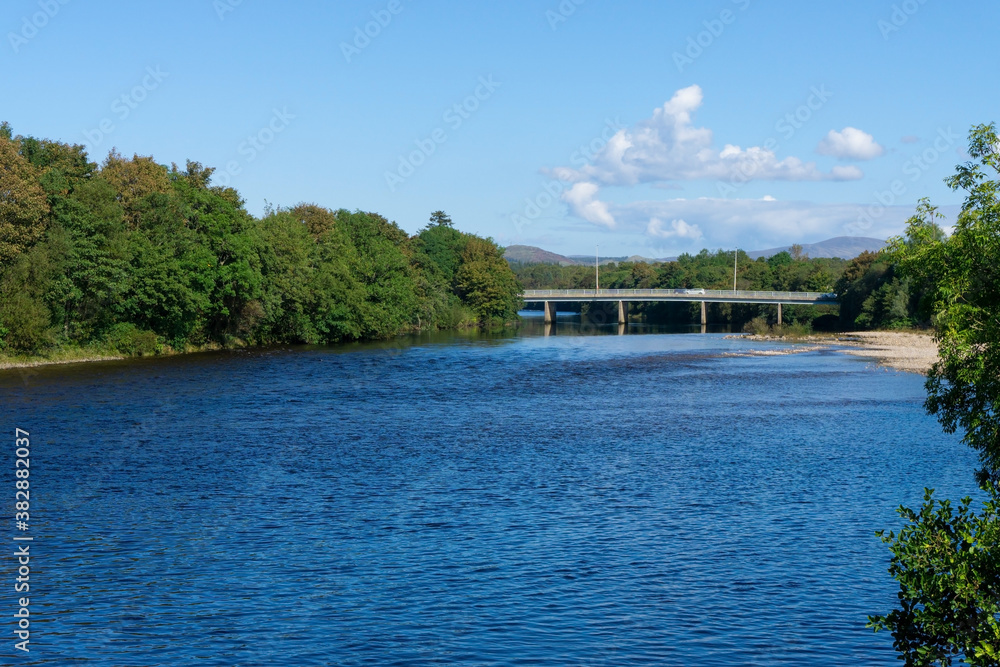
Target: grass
<point>61,355</point>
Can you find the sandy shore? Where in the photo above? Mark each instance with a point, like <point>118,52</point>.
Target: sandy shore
<point>904,351</point>
<point>912,352</point>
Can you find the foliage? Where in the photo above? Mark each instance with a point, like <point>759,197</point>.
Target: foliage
<point>758,326</point>
<point>440,219</point>
<point>137,257</point>
<point>964,386</point>
<point>485,282</point>
<point>23,206</point>
<point>947,562</point>
<point>133,180</point>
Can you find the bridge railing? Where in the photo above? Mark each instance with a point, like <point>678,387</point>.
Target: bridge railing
<point>647,293</point>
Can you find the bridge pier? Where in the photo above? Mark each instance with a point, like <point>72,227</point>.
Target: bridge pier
<point>704,315</point>
<point>550,312</point>
<point>779,314</point>
<point>623,312</point>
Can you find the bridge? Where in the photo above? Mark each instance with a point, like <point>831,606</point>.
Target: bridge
<point>551,297</point>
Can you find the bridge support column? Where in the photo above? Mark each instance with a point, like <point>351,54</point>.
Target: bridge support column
<point>779,314</point>
<point>550,312</point>
<point>623,312</point>
<point>704,315</point>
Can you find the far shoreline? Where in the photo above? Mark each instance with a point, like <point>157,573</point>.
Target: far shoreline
<point>906,351</point>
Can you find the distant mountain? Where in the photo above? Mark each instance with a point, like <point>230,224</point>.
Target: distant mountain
<point>845,247</point>
<point>529,254</point>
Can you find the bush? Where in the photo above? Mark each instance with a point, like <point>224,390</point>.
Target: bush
<point>757,326</point>
<point>128,339</point>
<point>26,323</point>
<point>794,329</point>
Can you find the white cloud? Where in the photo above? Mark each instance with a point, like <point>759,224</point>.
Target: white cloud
<point>850,144</point>
<point>583,203</point>
<point>668,147</point>
<point>678,229</point>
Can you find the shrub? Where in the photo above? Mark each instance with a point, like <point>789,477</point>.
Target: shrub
<point>757,326</point>
<point>27,323</point>
<point>128,339</point>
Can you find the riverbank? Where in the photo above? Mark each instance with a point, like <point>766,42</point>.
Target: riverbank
<point>61,357</point>
<point>905,351</point>
<point>913,352</point>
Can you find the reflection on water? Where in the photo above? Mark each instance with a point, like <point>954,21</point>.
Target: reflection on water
<point>468,498</point>
<point>573,324</point>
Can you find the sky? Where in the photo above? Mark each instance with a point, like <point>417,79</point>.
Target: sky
<point>639,127</point>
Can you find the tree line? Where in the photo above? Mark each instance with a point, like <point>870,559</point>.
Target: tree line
<point>139,257</point>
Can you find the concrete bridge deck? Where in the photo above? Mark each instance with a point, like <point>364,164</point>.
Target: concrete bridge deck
<point>711,296</point>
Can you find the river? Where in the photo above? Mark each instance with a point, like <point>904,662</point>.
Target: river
<point>466,499</point>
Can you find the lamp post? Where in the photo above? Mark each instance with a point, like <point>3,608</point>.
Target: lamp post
<point>736,256</point>
<point>597,270</point>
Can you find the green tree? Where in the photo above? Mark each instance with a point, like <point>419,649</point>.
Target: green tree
<point>23,205</point>
<point>133,180</point>
<point>964,386</point>
<point>440,219</point>
<point>948,564</point>
<point>441,246</point>
<point>485,282</point>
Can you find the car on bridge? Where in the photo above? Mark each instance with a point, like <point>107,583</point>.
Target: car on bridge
<point>691,291</point>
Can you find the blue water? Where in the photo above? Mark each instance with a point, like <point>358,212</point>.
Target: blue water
<point>462,500</point>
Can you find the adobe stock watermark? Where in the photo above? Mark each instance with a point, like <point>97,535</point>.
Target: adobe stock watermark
<point>30,26</point>
<point>455,116</point>
<point>787,126</point>
<point>223,7</point>
<point>914,168</point>
<point>254,145</point>
<point>123,106</point>
<point>562,13</point>
<point>372,29</point>
<point>899,17</point>
<point>552,190</point>
<point>697,44</point>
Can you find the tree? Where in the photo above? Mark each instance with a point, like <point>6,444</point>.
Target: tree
<point>486,283</point>
<point>441,246</point>
<point>133,180</point>
<point>440,219</point>
<point>948,567</point>
<point>864,276</point>
<point>948,564</point>
<point>964,386</point>
<point>318,220</point>
<point>23,205</point>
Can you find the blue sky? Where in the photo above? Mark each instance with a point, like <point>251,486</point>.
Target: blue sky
<point>647,127</point>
